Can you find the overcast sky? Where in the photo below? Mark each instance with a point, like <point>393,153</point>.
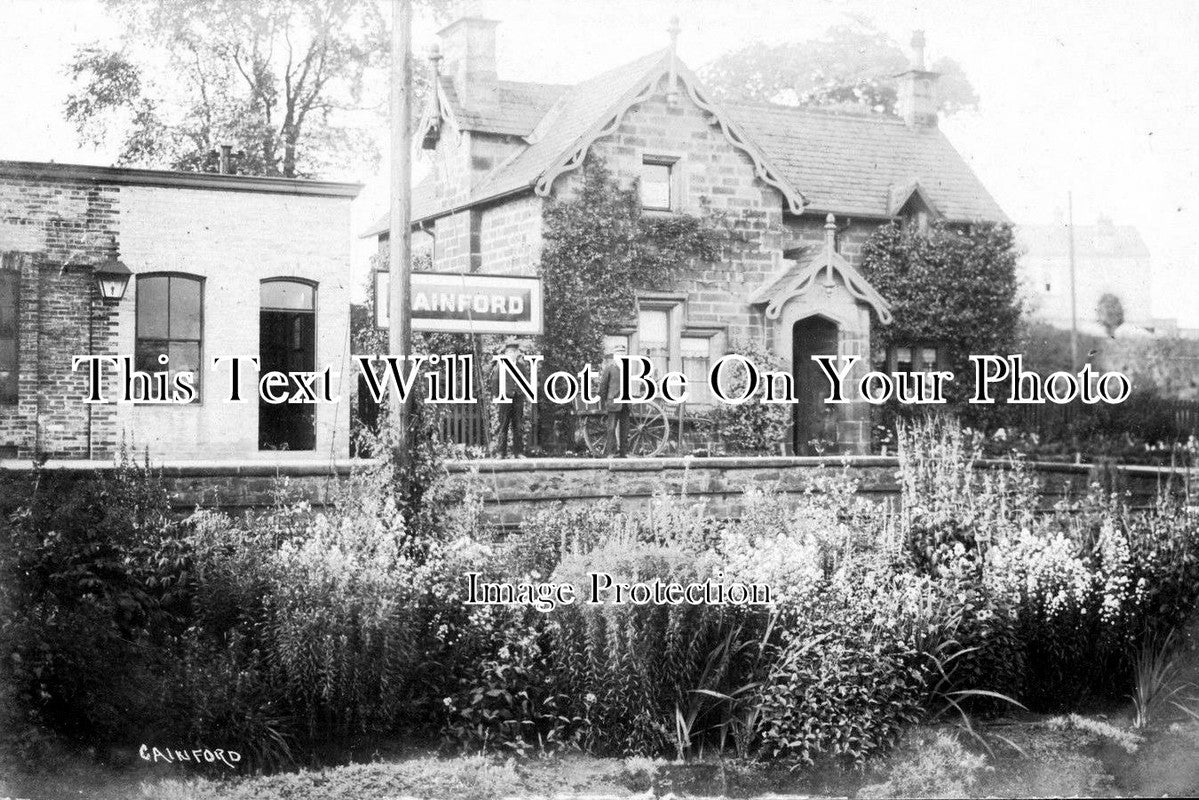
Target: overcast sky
<point>1098,97</point>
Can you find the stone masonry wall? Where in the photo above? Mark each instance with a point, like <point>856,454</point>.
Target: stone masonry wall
<point>713,178</point>
<point>510,237</point>
<point>512,490</point>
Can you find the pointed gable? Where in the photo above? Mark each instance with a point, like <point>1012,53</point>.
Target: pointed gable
<point>821,273</point>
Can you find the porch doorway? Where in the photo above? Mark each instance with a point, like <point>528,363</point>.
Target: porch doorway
<point>814,425</point>
<point>287,343</point>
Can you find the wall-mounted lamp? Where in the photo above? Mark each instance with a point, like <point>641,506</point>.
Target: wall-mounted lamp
<point>112,277</point>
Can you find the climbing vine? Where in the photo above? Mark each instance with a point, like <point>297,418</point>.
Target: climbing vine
<point>599,249</point>
<point>954,286</point>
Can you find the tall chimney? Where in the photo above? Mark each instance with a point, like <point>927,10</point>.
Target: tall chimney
<point>226,150</point>
<point>917,90</point>
<point>468,50</point>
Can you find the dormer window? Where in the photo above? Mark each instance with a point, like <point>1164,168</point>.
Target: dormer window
<point>657,184</point>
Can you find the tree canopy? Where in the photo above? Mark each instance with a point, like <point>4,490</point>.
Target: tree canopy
<point>286,82</point>
<point>849,68</point>
<point>1110,313</point>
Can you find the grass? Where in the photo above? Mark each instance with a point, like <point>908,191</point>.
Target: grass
<point>1063,756</point>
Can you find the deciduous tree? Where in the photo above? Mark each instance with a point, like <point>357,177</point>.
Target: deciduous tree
<point>848,68</point>
<point>1110,313</point>
<point>287,82</point>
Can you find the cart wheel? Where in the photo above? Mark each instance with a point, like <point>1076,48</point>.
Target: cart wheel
<point>595,430</point>
<point>649,431</point>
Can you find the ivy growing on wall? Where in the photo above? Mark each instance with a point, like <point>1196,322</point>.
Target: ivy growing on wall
<point>598,250</point>
<point>953,286</point>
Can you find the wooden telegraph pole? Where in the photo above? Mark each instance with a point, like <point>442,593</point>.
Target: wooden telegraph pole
<point>1073,288</point>
<point>400,236</point>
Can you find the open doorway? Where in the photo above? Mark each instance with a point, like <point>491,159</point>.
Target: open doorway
<point>287,343</point>
<point>814,425</point>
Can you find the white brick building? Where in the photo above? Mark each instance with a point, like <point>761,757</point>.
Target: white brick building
<point>221,265</point>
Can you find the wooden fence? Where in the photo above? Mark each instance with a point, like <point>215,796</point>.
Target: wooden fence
<point>1158,419</point>
<point>466,425</point>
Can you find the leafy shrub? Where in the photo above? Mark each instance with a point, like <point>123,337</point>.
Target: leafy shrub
<point>639,662</point>
<point>845,684</point>
<point>1055,603</point>
<point>547,534</point>
<point>92,585</point>
<point>752,426</point>
<point>512,701</point>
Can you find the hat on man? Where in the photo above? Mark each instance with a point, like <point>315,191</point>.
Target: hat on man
<point>618,347</point>
<point>510,342</point>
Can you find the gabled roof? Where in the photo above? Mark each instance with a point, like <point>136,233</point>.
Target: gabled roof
<point>504,107</point>
<point>902,195</point>
<point>855,165</point>
<point>581,114</point>
<point>851,164</point>
<point>577,110</point>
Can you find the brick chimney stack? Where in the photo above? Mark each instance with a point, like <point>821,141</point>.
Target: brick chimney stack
<point>468,53</point>
<point>917,90</point>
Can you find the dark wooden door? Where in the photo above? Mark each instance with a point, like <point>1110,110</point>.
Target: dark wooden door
<point>287,343</point>
<point>815,420</point>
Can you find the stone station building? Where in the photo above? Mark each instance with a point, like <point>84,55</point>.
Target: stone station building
<point>803,188</point>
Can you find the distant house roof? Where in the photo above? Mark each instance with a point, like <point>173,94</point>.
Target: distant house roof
<point>1104,240</point>
<point>818,160</point>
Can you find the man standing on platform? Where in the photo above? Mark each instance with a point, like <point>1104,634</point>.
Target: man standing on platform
<point>617,439</point>
<point>511,415</point>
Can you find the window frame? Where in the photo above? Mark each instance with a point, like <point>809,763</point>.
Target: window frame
<point>673,182</point>
<point>678,328</point>
<point>715,338</point>
<point>199,341</point>
<point>920,344</point>
<point>311,284</point>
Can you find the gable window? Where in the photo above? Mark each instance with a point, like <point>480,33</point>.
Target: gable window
<point>170,322</point>
<point>657,178</point>
<point>9,283</point>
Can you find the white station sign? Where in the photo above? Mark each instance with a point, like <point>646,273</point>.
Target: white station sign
<point>451,302</point>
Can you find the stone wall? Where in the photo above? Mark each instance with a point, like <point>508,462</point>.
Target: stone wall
<point>713,179</point>
<point>513,489</point>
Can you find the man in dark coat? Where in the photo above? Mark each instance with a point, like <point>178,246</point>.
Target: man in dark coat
<point>617,439</point>
<point>511,415</point>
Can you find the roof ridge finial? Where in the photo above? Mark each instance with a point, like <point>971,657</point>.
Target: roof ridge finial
<point>435,58</point>
<point>830,250</point>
